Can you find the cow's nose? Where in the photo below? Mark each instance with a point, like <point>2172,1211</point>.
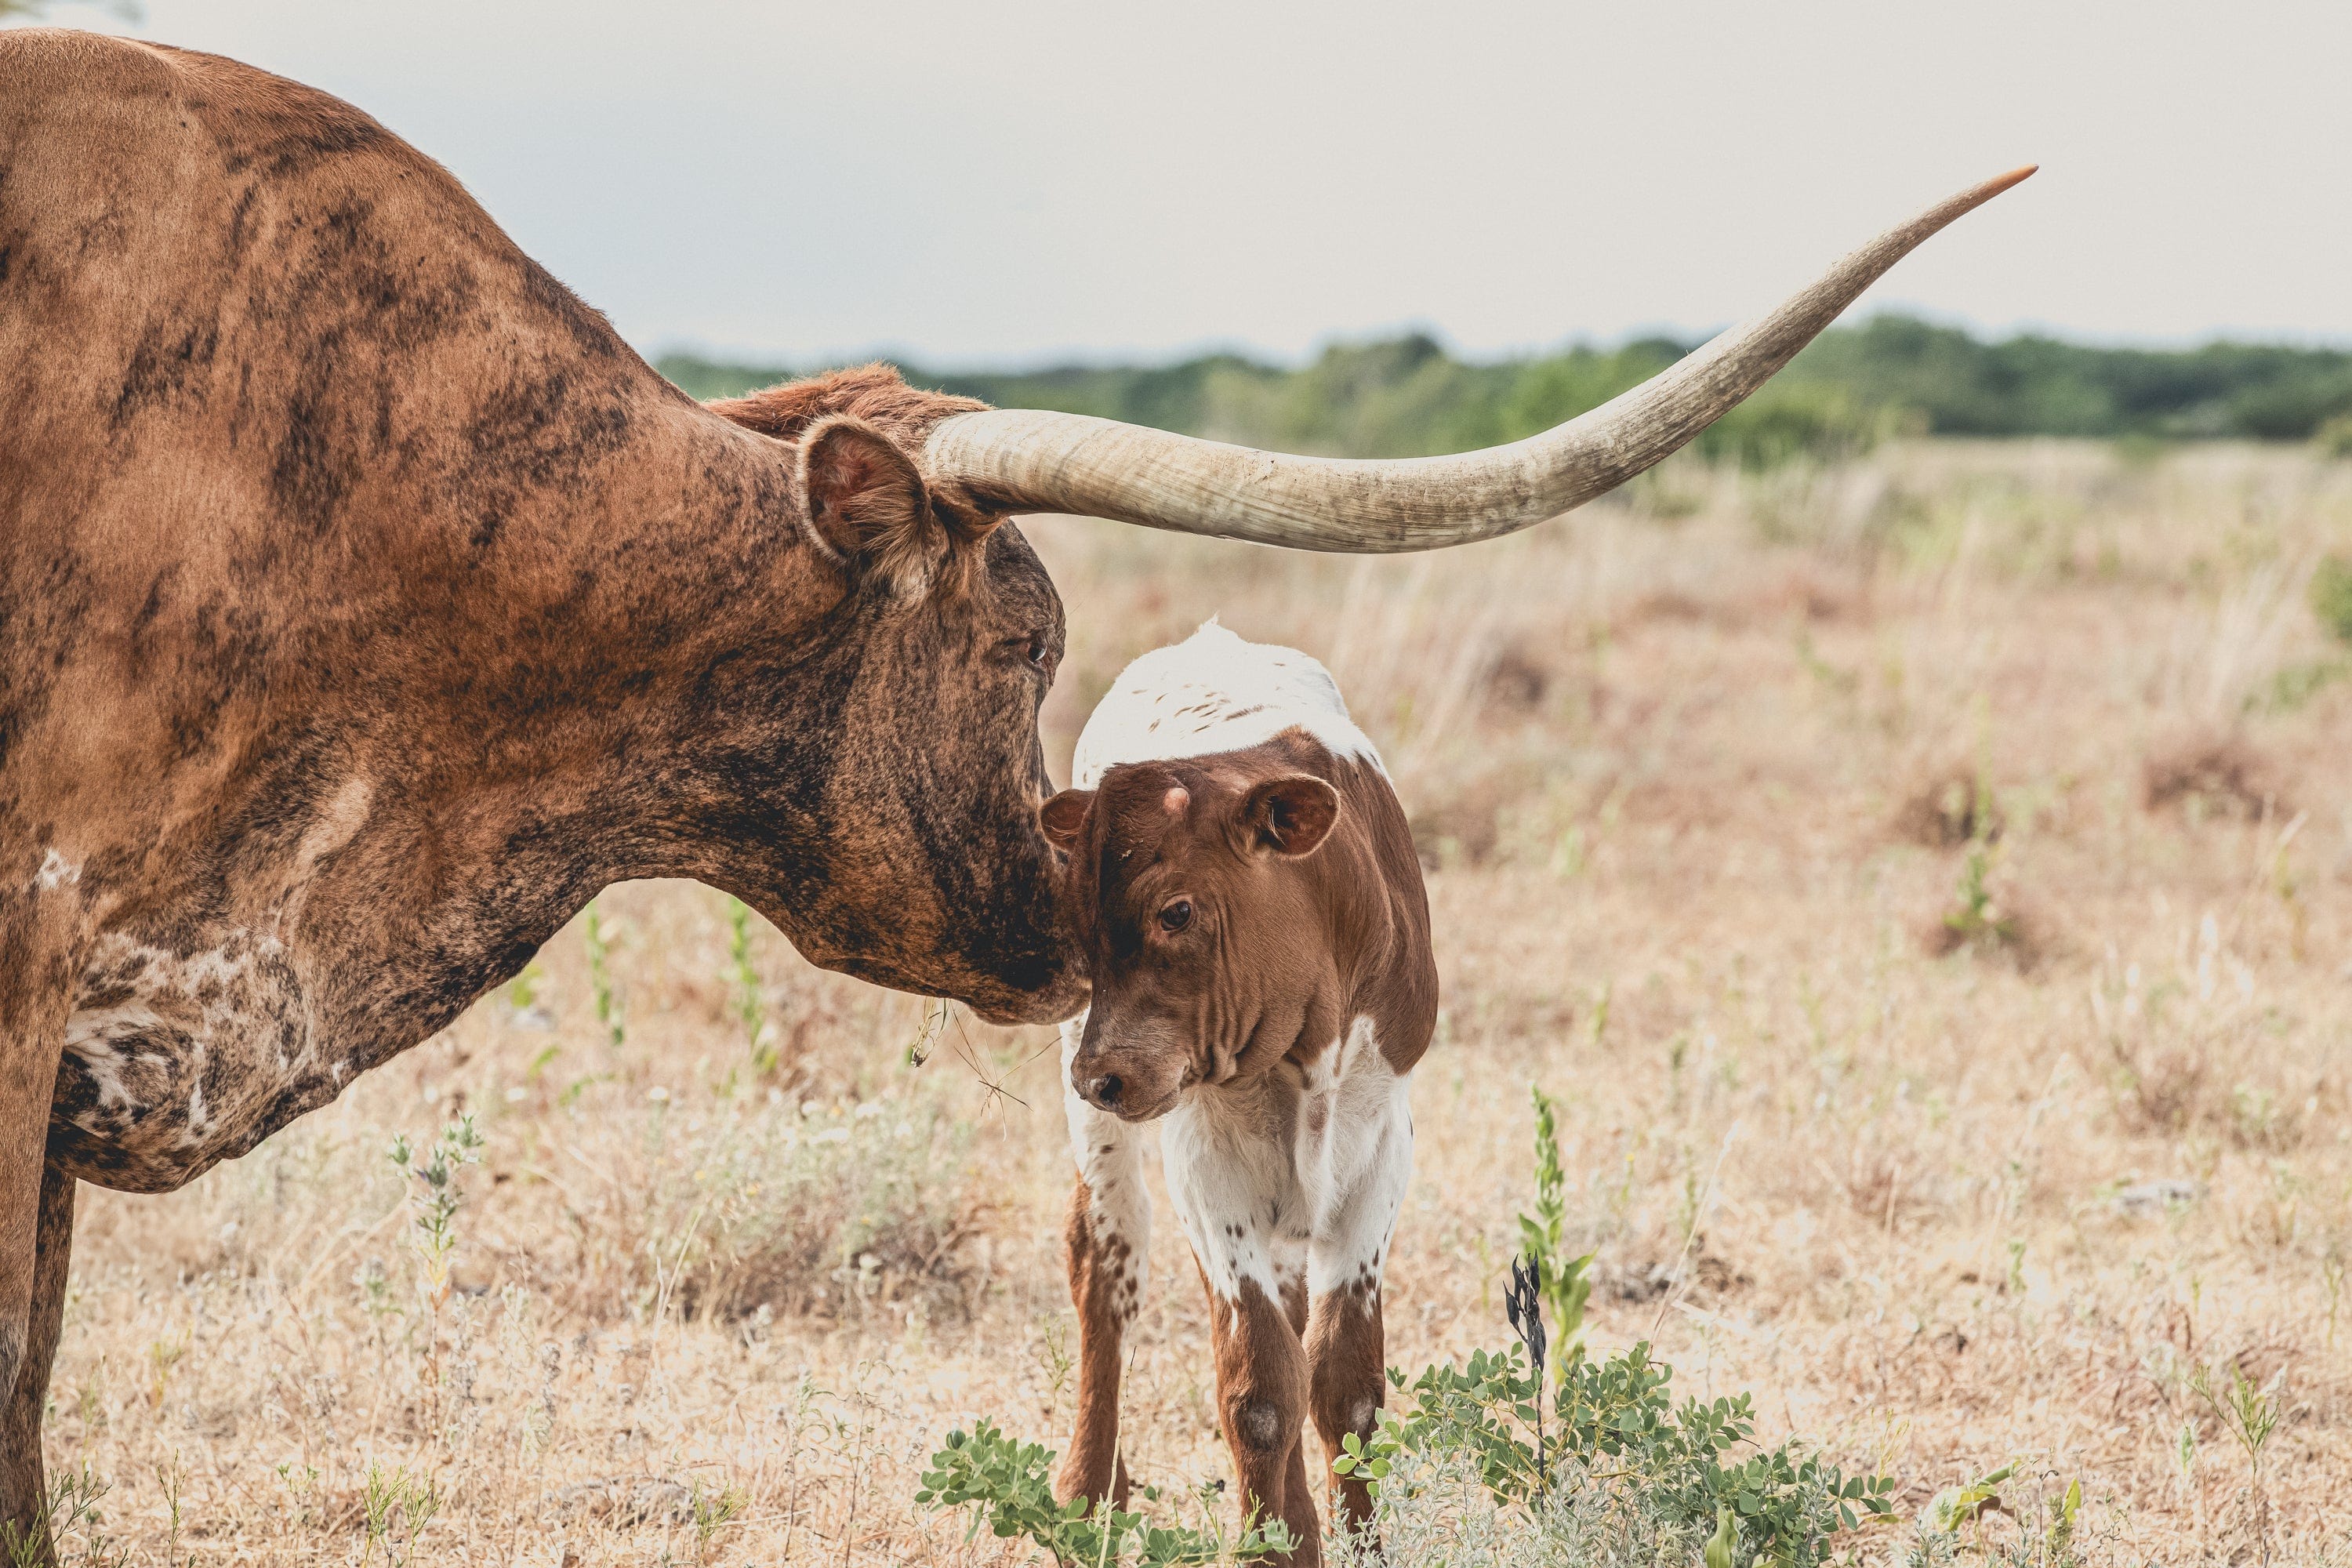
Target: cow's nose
<point>1103,1091</point>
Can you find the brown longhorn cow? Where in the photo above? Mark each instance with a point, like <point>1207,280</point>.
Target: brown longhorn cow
<point>366,604</point>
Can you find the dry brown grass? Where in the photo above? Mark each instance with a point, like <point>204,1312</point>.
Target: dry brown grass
<point>1662,754</point>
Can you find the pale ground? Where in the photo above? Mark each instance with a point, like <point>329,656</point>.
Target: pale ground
<point>1677,759</point>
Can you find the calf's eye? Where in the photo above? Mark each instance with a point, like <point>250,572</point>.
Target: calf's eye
<point>1039,651</point>
<point>1175,917</point>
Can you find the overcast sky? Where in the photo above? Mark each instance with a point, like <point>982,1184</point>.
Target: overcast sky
<point>999,182</point>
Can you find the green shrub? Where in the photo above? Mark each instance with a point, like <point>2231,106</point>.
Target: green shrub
<point>1616,1442</point>
<point>1794,421</point>
<point>1009,1488</point>
<point>1608,1450</point>
<point>2331,597</point>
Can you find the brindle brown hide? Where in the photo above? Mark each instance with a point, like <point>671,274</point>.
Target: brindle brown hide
<point>366,604</point>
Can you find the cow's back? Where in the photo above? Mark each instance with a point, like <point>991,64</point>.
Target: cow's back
<point>280,398</point>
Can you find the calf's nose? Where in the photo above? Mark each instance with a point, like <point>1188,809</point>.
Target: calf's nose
<point>1103,1092</point>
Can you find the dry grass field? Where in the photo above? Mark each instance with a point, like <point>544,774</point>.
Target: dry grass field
<point>1926,883</point>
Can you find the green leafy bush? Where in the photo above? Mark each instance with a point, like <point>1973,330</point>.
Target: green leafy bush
<point>1608,1448</point>
<point>1616,1439</point>
<point>1008,1487</point>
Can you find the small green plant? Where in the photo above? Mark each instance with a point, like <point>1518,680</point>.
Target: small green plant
<point>2036,1531</point>
<point>1008,1488</point>
<point>1976,919</point>
<point>2331,583</point>
<point>374,1282</point>
<point>750,1006</point>
<point>1053,1355</point>
<point>69,1509</point>
<point>433,1200</point>
<point>1562,1283</point>
<point>595,938</point>
<point>523,991</point>
<point>2250,1415</point>
<point>711,1512</point>
<point>1956,1506</point>
<point>395,1509</point>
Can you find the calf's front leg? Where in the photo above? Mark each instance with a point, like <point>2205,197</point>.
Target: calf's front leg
<point>1262,1405</point>
<point>40,949</point>
<point>1235,1191</point>
<point>1346,1258</point>
<point>1108,1237</point>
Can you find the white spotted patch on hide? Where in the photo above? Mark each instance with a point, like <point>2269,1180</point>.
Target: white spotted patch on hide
<point>174,1060</point>
<point>1110,1155</point>
<point>56,872</point>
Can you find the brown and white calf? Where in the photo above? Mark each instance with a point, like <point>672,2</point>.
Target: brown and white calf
<point>1241,878</point>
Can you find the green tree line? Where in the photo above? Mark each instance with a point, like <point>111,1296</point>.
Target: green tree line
<point>1407,396</point>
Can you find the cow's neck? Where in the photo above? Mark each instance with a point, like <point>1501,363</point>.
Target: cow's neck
<point>471,798</point>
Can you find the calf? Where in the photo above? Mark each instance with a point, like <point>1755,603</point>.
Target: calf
<point>1243,882</point>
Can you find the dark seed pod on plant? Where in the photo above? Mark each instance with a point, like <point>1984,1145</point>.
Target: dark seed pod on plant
<point>1523,1303</point>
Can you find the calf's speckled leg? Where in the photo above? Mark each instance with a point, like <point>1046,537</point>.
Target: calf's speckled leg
<point>1110,1238</point>
<point>1369,1171</point>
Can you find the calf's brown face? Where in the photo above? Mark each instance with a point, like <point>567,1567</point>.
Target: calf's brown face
<point>1192,892</point>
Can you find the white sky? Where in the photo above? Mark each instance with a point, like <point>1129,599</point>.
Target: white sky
<point>1001,182</point>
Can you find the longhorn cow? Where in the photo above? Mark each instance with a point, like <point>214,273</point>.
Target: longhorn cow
<point>366,604</point>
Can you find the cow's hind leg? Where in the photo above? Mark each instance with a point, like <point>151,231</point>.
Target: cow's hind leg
<point>39,964</point>
<point>1110,1238</point>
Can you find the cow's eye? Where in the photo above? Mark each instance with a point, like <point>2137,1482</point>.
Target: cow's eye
<point>1176,916</point>
<point>1040,653</point>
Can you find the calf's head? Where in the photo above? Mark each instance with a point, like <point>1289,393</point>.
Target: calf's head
<point>1192,892</point>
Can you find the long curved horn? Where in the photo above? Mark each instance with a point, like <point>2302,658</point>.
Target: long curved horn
<point>1032,461</point>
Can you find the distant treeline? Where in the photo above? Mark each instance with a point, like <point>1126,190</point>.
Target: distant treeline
<point>1891,374</point>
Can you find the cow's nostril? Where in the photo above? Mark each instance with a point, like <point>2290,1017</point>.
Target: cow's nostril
<point>1106,1090</point>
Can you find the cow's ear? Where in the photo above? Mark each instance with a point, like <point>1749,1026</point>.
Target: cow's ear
<point>863,502</point>
<point>1291,816</point>
<point>1063,817</point>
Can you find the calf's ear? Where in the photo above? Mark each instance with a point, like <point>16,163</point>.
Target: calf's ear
<point>1063,817</point>
<point>1291,816</point>
<point>865,503</point>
